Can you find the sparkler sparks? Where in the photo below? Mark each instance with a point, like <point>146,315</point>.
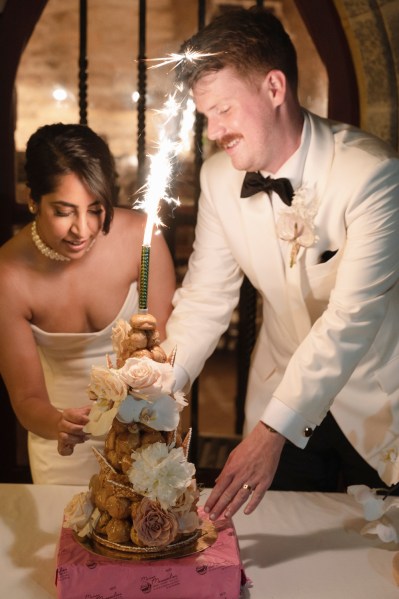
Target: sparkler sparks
<point>161,168</point>
<point>177,59</point>
<point>157,185</point>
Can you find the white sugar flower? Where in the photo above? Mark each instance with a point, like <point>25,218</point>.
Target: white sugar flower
<point>109,390</point>
<point>80,514</point>
<point>160,415</point>
<point>160,473</point>
<point>180,399</point>
<point>187,522</point>
<point>187,518</point>
<point>100,418</point>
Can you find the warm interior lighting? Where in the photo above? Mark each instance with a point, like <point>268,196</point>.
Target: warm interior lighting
<point>60,94</point>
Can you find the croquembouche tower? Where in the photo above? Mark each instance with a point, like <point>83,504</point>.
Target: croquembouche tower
<point>144,497</point>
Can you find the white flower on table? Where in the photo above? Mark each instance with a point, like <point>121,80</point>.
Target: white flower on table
<point>381,511</point>
<point>388,466</point>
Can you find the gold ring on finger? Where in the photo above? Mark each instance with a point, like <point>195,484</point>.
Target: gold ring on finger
<point>247,487</point>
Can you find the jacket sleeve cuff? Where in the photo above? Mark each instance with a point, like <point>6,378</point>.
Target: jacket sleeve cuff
<point>287,422</point>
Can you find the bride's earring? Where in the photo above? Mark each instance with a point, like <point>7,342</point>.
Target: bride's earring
<point>32,207</point>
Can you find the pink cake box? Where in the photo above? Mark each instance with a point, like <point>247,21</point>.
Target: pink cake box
<point>216,572</point>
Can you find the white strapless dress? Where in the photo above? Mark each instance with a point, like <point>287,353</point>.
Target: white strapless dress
<point>67,359</point>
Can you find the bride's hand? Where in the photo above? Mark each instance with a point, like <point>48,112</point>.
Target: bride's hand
<point>70,429</point>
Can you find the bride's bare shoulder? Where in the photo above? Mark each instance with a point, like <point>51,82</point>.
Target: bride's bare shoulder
<point>16,253</point>
<point>128,221</point>
<point>16,274</point>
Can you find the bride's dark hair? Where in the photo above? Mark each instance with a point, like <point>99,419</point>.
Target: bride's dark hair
<point>59,149</point>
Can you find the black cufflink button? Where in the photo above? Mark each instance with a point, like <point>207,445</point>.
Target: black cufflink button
<point>308,432</point>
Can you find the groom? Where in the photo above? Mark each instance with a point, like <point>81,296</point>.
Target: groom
<point>321,247</point>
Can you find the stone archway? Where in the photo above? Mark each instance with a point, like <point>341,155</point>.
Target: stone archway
<point>371,28</point>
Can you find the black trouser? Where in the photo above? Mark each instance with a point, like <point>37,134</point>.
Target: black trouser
<point>328,463</point>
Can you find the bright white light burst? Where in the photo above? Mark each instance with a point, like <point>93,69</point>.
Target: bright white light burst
<point>189,55</point>
<point>178,115</point>
<point>161,168</point>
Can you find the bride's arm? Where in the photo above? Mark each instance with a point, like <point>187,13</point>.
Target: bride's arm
<point>22,372</point>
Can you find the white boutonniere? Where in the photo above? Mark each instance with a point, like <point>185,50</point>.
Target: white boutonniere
<point>296,224</point>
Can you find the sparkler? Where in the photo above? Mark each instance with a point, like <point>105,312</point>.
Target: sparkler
<point>156,189</point>
<point>178,113</point>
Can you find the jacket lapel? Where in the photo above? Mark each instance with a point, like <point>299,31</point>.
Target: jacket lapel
<point>315,176</point>
<point>320,156</point>
<point>284,285</point>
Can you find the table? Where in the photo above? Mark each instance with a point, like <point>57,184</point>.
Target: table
<point>294,546</point>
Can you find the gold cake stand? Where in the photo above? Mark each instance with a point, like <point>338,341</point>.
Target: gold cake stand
<point>203,538</point>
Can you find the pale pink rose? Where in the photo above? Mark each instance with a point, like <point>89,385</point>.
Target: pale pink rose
<point>155,527</point>
<point>106,384</point>
<point>147,378</point>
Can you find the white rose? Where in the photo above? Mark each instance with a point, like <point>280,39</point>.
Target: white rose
<point>107,385</point>
<point>147,379</point>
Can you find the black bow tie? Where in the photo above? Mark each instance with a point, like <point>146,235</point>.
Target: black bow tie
<point>254,182</point>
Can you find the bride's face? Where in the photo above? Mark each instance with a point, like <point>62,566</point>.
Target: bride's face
<point>70,218</point>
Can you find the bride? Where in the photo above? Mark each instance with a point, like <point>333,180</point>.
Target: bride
<point>65,279</point>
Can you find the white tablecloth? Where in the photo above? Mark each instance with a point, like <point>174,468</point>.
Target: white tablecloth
<point>294,546</point>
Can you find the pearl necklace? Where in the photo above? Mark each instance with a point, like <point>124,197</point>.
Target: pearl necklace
<point>45,249</point>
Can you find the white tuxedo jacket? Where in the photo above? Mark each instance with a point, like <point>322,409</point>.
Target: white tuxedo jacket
<point>330,331</point>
